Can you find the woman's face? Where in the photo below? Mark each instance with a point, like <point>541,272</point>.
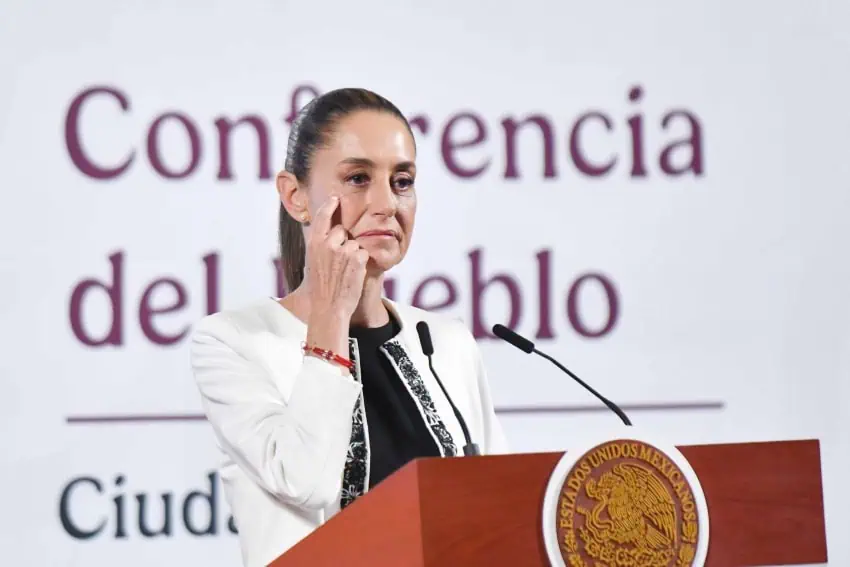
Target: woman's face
<point>369,162</point>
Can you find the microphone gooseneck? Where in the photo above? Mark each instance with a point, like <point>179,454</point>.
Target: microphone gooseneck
<point>527,346</point>
<point>471,449</point>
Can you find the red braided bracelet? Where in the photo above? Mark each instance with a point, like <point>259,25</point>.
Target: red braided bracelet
<point>328,355</point>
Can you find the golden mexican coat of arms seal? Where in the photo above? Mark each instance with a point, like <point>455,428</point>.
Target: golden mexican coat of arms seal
<point>627,503</point>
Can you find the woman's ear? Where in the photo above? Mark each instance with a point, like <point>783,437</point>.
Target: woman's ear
<point>292,196</point>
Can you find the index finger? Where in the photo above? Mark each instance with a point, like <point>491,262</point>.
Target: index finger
<point>322,221</point>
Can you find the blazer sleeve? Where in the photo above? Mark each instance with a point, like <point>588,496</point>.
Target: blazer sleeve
<point>294,448</point>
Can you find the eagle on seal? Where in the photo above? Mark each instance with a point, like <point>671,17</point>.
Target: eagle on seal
<point>640,509</point>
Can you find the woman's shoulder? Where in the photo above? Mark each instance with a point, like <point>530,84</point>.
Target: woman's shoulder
<point>443,328</point>
<point>251,319</point>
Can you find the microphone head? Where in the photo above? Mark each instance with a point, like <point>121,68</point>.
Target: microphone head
<point>508,335</point>
<point>425,338</point>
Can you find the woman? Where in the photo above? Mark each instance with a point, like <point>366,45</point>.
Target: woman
<point>316,398</point>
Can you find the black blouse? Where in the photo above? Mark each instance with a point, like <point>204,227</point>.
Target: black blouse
<point>397,432</point>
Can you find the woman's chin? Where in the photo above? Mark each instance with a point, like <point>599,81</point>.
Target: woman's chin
<point>382,261</point>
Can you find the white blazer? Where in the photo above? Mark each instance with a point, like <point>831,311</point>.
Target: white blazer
<point>292,430</point>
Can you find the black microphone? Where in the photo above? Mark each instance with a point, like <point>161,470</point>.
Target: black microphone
<point>526,345</point>
<point>471,448</point>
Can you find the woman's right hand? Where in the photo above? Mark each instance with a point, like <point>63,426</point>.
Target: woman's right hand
<point>336,268</point>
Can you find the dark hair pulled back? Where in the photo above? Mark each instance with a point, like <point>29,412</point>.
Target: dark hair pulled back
<point>310,131</point>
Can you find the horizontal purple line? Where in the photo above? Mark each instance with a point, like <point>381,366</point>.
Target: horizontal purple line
<point>511,410</point>
<point>138,418</point>
<point>648,406</point>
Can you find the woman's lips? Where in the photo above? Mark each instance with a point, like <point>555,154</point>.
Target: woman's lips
<point>378,234</point>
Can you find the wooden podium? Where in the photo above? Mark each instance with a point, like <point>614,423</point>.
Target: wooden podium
<point>765,504</point>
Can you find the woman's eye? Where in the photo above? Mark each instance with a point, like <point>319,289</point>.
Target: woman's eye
<point>403,183</point>
<point>358,178</point>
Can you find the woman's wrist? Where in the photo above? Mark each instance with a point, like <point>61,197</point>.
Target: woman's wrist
<point>328,331</point>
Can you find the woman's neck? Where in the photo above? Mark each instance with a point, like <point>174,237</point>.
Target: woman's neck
<point>371,311</point>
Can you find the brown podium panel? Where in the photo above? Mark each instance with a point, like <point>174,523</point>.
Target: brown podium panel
<point>765,503</point>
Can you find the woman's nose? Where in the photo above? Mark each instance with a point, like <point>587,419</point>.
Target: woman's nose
<point>383,199</point>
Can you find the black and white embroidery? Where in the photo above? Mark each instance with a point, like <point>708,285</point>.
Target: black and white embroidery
<point>421,395</point>
<point>355,478</point>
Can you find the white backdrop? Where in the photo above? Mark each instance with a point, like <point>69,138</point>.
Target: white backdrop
<point>725,256</point>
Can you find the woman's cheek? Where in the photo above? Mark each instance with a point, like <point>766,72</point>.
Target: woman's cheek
<point>352,206</point>
<point>407,204</point>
